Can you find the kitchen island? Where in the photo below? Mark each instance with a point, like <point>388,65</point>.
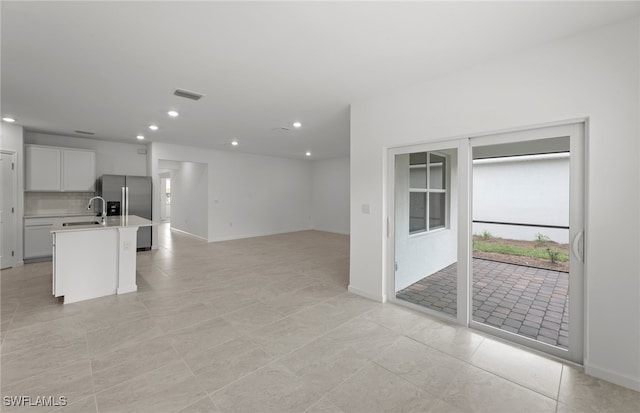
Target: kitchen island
<point>93,258</point>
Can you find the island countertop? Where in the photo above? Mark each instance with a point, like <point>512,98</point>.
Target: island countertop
<point>112,222</point>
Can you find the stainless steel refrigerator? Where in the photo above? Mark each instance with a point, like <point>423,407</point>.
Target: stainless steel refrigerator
<point>129,195</point>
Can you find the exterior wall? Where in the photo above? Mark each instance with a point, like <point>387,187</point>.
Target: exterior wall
<point>594,75</point>
<point>522,189</point>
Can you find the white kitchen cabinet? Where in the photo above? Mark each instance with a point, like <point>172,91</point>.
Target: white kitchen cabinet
<point>78,170</point>
<point>44,168</point>
<point>38,241</point>
<point>54,169</point>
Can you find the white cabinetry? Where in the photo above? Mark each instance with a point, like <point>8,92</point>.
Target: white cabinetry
<point>38,241</point>
<point>59,169</point>
<point>78,170</point>
<point>44,167</point>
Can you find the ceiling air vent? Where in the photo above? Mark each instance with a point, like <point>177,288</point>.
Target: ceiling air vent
<point>188,95</point>
<point>84,132</point>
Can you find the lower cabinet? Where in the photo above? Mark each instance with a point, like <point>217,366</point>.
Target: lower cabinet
<point>38,240</point>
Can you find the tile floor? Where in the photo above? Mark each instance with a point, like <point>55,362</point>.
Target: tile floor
<point>265,325</point>
<point>532,302</point>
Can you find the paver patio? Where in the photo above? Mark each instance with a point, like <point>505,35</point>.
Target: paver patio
<point>532,302</point>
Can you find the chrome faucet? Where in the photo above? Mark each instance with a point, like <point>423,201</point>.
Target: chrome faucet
<point>104,206</point>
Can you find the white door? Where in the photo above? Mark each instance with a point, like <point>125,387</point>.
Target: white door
<point>8,225</point>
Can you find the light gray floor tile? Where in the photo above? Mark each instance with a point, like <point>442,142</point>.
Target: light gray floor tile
<point>475,390</point>
<point>374,389</point>
<point>520,366</point>
<point>204,405</point>
<point>73,381</point>
<point>199,337</point>
<point>112,368</point>
<point>270,389</point>
<point>579,392</point>
<point>429,369</point>
<point>218,366</point>
<point>167,389</point>
<point>457,341</point>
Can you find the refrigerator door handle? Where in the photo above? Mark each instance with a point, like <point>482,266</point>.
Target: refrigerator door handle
<point>126,204</point>
<point>122,203</point>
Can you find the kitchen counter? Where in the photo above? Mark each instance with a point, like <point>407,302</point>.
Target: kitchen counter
<point>91,261</point>
<point>120,221</point>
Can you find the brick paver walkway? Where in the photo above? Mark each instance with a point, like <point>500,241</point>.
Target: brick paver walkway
<point>532,302</point>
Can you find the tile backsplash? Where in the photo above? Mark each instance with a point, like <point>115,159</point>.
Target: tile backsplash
<point>54,203</point>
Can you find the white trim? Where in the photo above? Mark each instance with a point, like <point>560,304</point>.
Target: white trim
<point>16,259</point>
<point>362,293</point>
<point>264,234</point>
<point>187,233</point>
<point>610,376</point>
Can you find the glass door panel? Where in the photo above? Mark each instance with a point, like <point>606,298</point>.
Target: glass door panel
<point>425,183</point>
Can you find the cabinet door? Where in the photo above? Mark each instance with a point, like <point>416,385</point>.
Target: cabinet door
<point>43,169</point>
<point>38,241</point>
<point>78,170</point>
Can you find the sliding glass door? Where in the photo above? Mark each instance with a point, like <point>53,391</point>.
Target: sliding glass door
<point>488,231</point>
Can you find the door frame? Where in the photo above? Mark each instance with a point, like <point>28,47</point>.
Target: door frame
<point>464,225</point>
<point>577,229</point>
<point>577,129</point>
<point>14,216</point>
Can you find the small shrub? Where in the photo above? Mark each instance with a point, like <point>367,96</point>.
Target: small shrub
<point>541,239</point>
<point>554,255</point>
<point>486,235</point>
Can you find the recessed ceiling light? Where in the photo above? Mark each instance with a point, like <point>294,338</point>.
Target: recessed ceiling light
<point>10,120</point>
<point>153,127</point>
<point>297,124</point>
<point>234,142</point>
<point>172,113</point>
<point>308,153</point>
<point>140,137</point>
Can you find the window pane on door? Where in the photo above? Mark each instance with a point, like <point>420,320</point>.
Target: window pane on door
<point>417,211</point>
<point>436,171</point>
<point>437,204</point>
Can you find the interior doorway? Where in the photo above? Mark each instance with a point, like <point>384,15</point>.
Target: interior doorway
<point>8,198</point>
<point>165,197</point>
<point>503,251</point>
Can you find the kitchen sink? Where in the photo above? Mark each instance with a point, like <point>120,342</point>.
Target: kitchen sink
<point>73,224</point>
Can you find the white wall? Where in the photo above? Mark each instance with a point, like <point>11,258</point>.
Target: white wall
<point>111,157</point>
<point>11,139</point>
<point>189,199</point>
<point>249,195</point>
<point>594,75</point>
<point>522,189</point>
<point>330,195</point>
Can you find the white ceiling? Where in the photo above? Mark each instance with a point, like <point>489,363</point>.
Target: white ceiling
<point>111,67</point>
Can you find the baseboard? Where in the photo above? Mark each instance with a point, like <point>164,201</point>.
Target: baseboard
<point>379,298</point>
<point>188,233</point>
<point>261,234</point>
<point>632,383</point>
<point>331,231</point>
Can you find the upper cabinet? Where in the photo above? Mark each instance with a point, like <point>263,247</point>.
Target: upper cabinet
<point>50,168</point>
